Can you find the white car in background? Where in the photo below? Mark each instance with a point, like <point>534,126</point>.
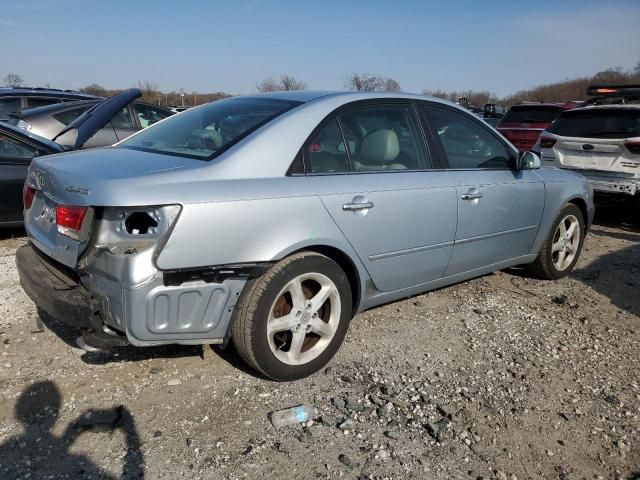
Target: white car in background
<point>601,142</point>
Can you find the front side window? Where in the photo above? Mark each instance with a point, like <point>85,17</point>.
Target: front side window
<point>203,132</point>
<point>369,139</point>
<point>148,114</point>
<point>466,143</point>
<point>11,149</point>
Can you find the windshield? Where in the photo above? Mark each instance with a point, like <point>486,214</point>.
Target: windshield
<point>531,115</point>
<point>206,131</point>
<point>601,123</point>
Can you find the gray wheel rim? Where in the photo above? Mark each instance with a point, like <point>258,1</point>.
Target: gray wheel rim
<point>304,332</point>
<point>566,240</point>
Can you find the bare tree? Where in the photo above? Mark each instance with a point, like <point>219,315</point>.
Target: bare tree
<point>285,83</point>
<point>94,89</point>
<point>390,85</point>
<point>362,82</point>
<point>636,69</point>
<point>367,82</point>
<point>149,90</point>
<point>12,80</point>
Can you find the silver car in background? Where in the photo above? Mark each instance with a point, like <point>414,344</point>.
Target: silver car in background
<point>273,219</point>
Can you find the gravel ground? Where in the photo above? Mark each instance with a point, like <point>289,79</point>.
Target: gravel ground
<point>501,377</point>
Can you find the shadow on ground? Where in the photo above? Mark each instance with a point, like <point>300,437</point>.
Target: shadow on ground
<point>38,453</point>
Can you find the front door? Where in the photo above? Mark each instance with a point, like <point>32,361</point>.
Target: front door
<point>371,168</point>
<point>499,208</point>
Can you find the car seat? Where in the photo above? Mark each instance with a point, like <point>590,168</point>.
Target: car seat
<point>378,151</point>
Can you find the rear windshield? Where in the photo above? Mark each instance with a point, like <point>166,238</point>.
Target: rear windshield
<point>531,115</point>
<point>206,131</point>
<point>601,123</point>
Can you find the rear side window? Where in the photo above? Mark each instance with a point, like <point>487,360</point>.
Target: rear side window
<point>148,115</point>
<point>598,123</point>
<point>35,102</point>
<point>122,120</point>
<point>69,116</point>
<point>9,105</point>
<point>466,143</point>
<point>531,115</point>
<point>369,139</point>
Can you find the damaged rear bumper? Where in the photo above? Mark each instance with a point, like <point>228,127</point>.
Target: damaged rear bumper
<point>115,313</point>
<point>55,288</point>
<point>610,182</point>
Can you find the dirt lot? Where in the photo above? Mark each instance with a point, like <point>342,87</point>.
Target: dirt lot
<point>501,377</point>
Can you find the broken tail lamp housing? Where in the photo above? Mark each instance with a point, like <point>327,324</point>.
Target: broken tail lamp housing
<point>69,220</point>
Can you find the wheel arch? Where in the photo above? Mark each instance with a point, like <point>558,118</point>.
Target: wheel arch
<point>349,263</point>
<point>582,205</point>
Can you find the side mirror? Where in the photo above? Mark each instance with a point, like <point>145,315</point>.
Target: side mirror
<point>528,161</point>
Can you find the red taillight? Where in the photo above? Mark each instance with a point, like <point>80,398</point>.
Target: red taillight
<point>547,142</point>
<point>69,220</point>
<point>27,196</point>
<point>633,147</point>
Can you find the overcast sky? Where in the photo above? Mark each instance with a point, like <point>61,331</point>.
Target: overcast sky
<point>500,46</point>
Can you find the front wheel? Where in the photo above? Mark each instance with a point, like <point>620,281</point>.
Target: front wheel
<point>561,249</point>
<point>290,322</point>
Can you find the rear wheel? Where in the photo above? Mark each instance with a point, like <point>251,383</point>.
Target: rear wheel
<point>292,320</point>
<point>560,251</point>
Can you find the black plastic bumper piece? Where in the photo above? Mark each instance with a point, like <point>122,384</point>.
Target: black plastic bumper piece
<point>56,289</point>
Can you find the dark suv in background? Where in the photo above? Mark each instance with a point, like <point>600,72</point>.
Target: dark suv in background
<point>523,124</point>
<point>16,99</point>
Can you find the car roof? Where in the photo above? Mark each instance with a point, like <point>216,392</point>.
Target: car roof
<point>616,106</point>
<point>36,91</point>
<point>306,96</point>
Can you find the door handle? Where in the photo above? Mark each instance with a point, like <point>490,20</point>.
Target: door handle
<point>354,207</point>
<point>471,196</point>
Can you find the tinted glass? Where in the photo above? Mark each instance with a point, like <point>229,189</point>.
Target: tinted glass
<point>35,102</point>
<point>122,120</point>
<point>384,138</point>
<point>69,116</point>
<point>531,115</point>
<point>12,149</point>
<point>202,132</point>
<point>327,153</point>
<point>148,115</point>
<point>467,143</point>
<point>598,123</point>
<point>9,105</point>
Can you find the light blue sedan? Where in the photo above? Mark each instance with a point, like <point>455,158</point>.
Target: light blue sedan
<point>273,219</point>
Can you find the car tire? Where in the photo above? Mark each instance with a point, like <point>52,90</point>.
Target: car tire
<point>283,326</point>
<point>558,256</point>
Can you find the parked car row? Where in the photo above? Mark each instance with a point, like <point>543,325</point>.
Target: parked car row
<point>60,127</point>
<point>14,100</point>
<point>600,141</point>
<point>272,219</point>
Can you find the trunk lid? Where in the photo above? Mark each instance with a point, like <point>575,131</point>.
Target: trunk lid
<point>607,155</point>
<point>78,132</point>
<point>100,177</point>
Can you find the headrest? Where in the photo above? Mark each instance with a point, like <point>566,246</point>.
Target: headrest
<point>380,146</point>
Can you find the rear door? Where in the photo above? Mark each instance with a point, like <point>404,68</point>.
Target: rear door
<point>499,208</point>
<point>372,169</point>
